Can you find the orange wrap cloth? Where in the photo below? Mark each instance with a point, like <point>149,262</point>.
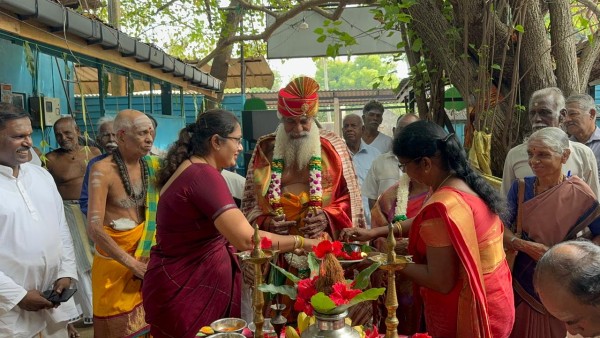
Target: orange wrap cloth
<point>116,292</point>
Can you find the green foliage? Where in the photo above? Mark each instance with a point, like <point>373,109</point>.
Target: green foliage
<point>361,72</point>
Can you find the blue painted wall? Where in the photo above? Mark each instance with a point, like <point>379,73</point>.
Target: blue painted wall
<point>13,70</point>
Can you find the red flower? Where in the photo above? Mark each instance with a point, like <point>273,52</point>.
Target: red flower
<point>342,293</point>
<point>421,335</point>
<point>373,333</point>
<point>306,289</point>
<point>325,247</point>
<point>266,243</point>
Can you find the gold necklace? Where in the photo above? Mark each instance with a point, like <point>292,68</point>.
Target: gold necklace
<point>444,181</point>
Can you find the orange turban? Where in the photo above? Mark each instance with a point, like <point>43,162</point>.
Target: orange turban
<point>299,97</point>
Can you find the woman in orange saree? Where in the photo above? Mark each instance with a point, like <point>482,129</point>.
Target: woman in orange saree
<point>456,239</point>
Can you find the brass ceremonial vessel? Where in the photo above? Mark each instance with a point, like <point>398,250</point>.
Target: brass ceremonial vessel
<point>391,263</point>
<point>258,257</point>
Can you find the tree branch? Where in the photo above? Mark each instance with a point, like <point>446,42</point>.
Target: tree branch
<point>563,46</point>
<point>280,19</point>
<point>591,6</point>
<point>331,16</point>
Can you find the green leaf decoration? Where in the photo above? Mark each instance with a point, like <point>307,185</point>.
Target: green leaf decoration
<point>363,277</point>
<point>520,29</point>
<point>322,303</point>
<point>318,30</point>
<point>287,290</point>
<point>313,264</point>
<point>290,276</point>
<point>322,38</point>
<point>496,66</point>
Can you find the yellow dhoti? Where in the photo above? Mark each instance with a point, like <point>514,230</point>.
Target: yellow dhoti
<point>117,295</point>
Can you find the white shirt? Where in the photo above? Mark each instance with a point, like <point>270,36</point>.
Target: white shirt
<point>581,162</point>
<point>362,161</point>
<point>382,142</point>
<point>383,174</point>
<point>36,249</point>
<point>235,183</point>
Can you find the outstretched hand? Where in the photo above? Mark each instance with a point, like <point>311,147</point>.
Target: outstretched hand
<point>356,234</point>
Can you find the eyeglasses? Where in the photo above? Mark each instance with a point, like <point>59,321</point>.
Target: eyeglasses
<point>237,139</point>
<point>402,166</point>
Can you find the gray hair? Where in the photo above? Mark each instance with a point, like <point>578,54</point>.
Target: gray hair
<point>554,138</point>
<point>122,123</point>
<point>554,92</point>
<point>585,101</point>
<point>574,264</point>
<point>104,120</point>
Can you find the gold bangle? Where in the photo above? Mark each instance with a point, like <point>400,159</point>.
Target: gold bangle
<point>399,226</point>
<point>295,242</point>
<point>301,246</point>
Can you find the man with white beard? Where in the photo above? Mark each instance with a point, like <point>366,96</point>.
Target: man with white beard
<point>300,179</point>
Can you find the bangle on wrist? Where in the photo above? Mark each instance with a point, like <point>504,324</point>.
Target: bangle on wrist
<point>398,225</point>
<point>301,246</point>
<point>295,242</point>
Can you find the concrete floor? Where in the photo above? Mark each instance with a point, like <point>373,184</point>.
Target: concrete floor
<point>85,331</point>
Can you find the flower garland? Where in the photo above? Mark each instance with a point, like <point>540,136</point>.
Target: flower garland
<point>315,200</point>
<point>315,179</point>
<point>401,199</point>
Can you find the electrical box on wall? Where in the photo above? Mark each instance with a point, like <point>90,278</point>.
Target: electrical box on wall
<point>44,108</point>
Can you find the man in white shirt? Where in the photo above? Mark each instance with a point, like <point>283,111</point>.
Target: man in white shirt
<point>384,171</point>
<point>545,107</point>
<point>363,154</point>
<point>37,251</point>
<point>372,117</point>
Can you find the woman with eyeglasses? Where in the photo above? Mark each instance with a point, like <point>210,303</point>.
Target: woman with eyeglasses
<point>193,278</point>
<point>460,269</point>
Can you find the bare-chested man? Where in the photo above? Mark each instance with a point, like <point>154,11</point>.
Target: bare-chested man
<point>67,165</point>
<point>119,187</point>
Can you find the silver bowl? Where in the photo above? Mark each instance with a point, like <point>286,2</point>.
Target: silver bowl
<point>228,325</point>
<point>227,335</point>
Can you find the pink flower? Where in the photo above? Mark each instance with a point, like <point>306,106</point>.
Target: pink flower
<point>342,294</point>
<point>421,335</point>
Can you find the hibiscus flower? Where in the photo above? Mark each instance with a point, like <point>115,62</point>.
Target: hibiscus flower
<point>343,293</point>
<point>325,247</point>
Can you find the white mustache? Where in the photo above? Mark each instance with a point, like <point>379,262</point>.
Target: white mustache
<point>111,144</point>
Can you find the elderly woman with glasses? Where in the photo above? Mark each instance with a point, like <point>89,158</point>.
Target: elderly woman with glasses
<point>544,210</point>
<point>461,274</point>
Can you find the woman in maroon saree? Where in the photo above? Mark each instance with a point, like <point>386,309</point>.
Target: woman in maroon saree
<point>193,278</point>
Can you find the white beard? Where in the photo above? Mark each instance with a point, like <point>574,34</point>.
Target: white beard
<point>297,151</point>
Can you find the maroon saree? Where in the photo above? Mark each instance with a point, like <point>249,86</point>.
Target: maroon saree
<point>193,278</point>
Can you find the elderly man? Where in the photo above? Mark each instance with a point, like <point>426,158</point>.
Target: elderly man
<point>121,223</point>
<point>37,251</point>
<point>67,166</point>
<point>107,140</point>
<point>580,121</point>
<point>300,179</point>
<point>545,107</point>
<point>384,171</point>
<point>566,280</point>
<point>373,116</point>
<point>363,154</point>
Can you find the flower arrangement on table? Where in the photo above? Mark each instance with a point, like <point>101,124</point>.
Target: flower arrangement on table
<point>326,291</point>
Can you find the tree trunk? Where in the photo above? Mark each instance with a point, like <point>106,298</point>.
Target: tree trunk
<point>220,64</point>
<point>563,46</point>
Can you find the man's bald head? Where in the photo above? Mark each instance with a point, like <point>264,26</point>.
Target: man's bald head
<point>404,121</point>
<point>135,132</point>
<point>127,118</point>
